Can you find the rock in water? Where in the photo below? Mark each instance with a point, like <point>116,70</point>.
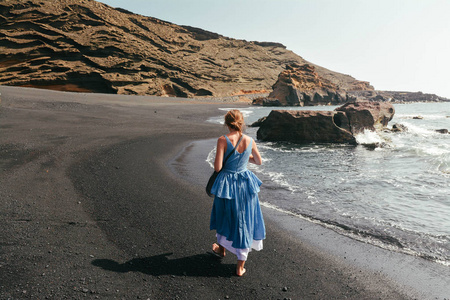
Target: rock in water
<point>399,128</point>
<point>338,126</point>
<point>367,115</point>
<point>443,131</point>
<point>306,127</point>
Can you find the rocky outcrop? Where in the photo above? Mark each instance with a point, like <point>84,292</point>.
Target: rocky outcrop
<point>338,126</point>
<point>301,85</point>
<point>368,115</point>
<point>395,97</point>
<point>87,46</point>
<point>302,126</point>
<point>264,101</point>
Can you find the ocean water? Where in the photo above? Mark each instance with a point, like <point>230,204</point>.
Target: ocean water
<point>396,196</point>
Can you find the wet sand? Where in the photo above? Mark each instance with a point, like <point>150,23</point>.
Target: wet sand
<point>101,199</point>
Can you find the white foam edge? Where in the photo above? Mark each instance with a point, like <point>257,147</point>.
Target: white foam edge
<point>351,235</point>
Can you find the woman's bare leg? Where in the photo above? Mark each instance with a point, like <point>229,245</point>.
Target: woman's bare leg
<point>240,270</point>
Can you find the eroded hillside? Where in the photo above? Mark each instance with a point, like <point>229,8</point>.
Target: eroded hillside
<point>84,45</point>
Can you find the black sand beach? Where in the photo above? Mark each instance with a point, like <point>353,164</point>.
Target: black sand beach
<point>103,198</point>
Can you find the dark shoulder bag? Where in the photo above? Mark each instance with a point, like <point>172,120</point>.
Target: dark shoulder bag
<point>212,179</point>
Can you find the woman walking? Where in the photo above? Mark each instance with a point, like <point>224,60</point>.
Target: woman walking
<point>236,214</point>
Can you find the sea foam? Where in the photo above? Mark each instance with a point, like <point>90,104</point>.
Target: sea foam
<point>369,137</point>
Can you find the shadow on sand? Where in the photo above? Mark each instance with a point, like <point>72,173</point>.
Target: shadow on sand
<point>205,265</point>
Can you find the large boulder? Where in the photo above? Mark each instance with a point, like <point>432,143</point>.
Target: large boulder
<point>367,115</point>
<point>301,85</point>
<point>306,127</point>
<point>338,126</point>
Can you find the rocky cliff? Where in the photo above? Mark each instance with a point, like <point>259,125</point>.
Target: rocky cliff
<point>301,85</point>
<point>84,45</point>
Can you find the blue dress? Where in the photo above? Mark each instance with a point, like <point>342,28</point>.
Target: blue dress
<point>236,214</point>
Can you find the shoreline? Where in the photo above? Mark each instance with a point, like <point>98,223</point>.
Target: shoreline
<point>282,191</point>
<point>91,209</point>
<point>418,277</point>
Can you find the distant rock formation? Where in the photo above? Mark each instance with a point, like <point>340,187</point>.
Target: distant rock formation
<point>396,97</point>
<point>264,101</point>
<point>301,85</point>
<point>338,126</point>
<point>87,46</point>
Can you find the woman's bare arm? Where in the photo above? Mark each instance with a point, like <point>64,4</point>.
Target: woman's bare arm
<point>255,157</point>
<point>220,151</point>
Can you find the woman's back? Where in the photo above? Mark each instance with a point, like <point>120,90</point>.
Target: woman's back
<point>234,138</point>
<point>238,160</point>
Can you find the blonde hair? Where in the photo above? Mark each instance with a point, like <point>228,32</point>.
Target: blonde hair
<point>235,120</point>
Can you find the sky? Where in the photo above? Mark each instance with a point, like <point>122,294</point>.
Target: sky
<point>396,45</point>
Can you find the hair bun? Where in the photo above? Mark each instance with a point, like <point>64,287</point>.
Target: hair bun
<point>234,120</point>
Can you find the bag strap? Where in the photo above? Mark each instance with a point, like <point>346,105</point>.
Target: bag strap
<point>231,152</point>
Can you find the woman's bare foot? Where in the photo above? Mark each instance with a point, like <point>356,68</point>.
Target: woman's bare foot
<point>240,270</point>
<point>218,249</point>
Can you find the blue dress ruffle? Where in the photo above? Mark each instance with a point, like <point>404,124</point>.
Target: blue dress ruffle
<point>236,212</point>
<point>227,183</point>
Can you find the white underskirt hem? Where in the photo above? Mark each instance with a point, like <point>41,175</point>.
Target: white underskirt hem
<point>240,253</point>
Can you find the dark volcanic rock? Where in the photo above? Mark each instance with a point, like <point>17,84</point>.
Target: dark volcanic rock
<point>443,131</point>
<point>259,122</point>
<point>301,85</point>
<point>88,46</point>
<point>264,101</point>
<point>338,126</point>
<point>367,115</point>
<point>399,128</point>
<point>306,127</point>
